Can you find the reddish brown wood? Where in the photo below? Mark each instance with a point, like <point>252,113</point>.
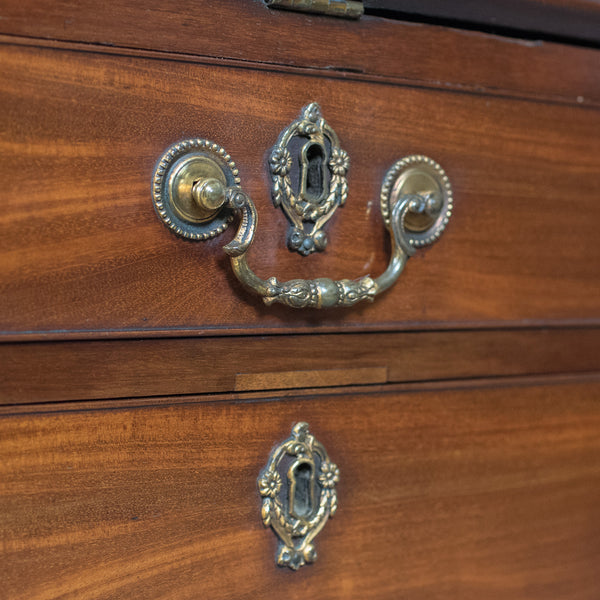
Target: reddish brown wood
<point>249,31</point>
<point>284,395</point>
<point>483,488</point>
<point>86,252</point>
<point>463,494</point>
<point>49,372</point>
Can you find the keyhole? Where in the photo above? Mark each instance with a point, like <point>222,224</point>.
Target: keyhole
<point>302,492</point>
<point>314,161</point>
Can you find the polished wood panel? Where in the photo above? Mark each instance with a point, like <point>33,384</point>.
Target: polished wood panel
<point>50,372</point>
<point>247,30</point>
<point>463,494</point>
<point>86,252</point>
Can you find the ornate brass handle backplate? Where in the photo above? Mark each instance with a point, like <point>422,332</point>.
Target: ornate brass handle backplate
<point>197,193</point>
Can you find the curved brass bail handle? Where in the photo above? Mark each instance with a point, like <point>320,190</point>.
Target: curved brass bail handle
<point>196,191</point>
<point>324,292</point>
<point>321,292</point>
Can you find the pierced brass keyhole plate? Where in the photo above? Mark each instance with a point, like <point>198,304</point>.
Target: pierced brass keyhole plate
<point>299,495</point>
<point>308,174</point>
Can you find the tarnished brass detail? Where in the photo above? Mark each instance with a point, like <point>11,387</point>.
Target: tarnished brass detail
<point>350,9</point>
<point>299,495</point>
<point>209,194</point>
<point>416,204</point>
<point>424,180</point>
<point>324,292</point>
<point>189,188</point>
<point>320,167</point>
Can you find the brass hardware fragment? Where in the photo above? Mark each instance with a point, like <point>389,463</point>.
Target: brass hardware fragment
<point>321,167</point>
<point>189,189</point>
<point>350,9</point>
<point>424,180</point>
<point>194,177</point>
<point>209,194</point>
<point>299,495</point>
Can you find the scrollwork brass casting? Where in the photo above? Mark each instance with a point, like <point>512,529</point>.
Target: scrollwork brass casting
<point>198,177</point>
<point>298,491</point>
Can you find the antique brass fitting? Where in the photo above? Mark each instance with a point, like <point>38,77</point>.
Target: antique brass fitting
<point>189,190</point>
<point>298,490</point>
<point>196,193</point>
<point>349,9</point>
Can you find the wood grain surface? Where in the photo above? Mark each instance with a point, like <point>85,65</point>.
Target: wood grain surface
<point>465,494</point>
<point>82,250</point>
<point>81,370</point>
<point>247,30</point>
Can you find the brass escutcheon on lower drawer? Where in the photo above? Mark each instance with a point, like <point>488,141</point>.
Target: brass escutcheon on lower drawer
<point>298,491</point>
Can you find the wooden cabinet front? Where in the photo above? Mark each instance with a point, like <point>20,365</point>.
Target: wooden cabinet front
<point>86,253</point>
<point>142,387</point>
<point>469,491</point>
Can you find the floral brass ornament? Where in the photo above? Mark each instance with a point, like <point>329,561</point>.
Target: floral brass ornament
<point>299,495</point>
<point>196,192</point>
<point>320,172</point>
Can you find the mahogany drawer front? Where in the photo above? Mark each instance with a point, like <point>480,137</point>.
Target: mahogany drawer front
<point>457,494</point>
<point>247,30</point>
<point>83,250</point>
<point>35,372</point>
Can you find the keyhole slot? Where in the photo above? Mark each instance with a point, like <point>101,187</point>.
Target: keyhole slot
<point>313,172</point>
<point>302,495</point>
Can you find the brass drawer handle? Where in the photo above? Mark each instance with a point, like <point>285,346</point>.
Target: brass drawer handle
<point>197,193</point>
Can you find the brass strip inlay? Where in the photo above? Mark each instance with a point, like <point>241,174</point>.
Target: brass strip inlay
<point>284,380</point>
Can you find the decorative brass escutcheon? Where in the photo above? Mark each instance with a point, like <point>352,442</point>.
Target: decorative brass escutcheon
<point>299,495</point>
<point>311,148</point>
<point>197,193</point>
